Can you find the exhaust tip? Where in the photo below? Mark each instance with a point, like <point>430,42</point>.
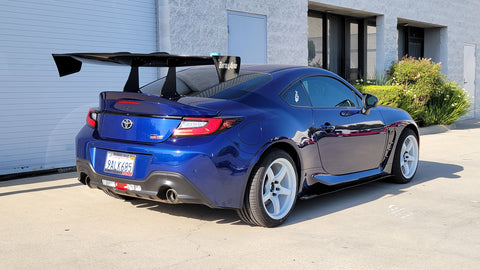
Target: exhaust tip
<point>171,196</point>
<point>87,181</point>
<point>83,178</point>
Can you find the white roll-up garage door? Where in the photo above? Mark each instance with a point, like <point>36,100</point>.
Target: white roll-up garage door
<point>41,113</point>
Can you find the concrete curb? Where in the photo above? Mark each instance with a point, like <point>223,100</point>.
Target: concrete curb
<point>461,124</point>
<point>436,129</point>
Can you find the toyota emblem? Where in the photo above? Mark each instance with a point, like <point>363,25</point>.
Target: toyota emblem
<point>127,123</point>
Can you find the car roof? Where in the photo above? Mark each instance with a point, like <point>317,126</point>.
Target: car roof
<point>273,68</point>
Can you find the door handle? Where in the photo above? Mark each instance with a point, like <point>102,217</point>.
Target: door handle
<point>349,112</point>
<point>327,127</point>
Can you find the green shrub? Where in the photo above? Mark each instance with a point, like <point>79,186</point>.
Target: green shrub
<point>418,77</point>
<point>446,106</point>
<point>390,95</point>
<point>423,92</point>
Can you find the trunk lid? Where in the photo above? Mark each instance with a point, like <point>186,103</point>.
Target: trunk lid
<point>145,118</point>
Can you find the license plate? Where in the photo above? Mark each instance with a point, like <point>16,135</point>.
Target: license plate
<point>120,163</point>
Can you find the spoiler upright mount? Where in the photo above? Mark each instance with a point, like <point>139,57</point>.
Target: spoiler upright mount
<point>228,67</point>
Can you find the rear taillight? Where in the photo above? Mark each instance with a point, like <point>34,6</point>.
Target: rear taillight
<point>92,118</point>
<point>204,126</point>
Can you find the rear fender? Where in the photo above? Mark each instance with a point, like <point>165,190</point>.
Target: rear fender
<point>282,144</point>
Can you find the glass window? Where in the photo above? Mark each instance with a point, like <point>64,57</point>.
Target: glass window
<point>342,44</point>
<point>354,40</point>
<point>410,41</point>
<point>329,92</point>
<point>295,95</point>
<point>371,52</point>
<point>315,41</point>
<point>335,39</point>
<point>203,82</point>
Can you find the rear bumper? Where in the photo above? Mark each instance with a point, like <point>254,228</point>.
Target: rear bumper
<point>153,187</point>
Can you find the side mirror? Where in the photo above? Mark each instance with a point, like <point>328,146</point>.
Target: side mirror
<point>368,101</point>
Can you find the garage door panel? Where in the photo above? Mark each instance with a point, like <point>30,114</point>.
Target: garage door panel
<point>36,103</point>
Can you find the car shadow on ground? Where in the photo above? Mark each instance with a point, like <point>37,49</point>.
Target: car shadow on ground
<point>194,211</point>
<point>316,207</point>
<point>343,199</point>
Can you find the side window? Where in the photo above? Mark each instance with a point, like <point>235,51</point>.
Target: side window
<point>329,92</point>
<point>295,95</point>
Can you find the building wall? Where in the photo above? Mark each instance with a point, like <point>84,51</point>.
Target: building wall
<point>200,27</point>
<point>459,19</point>
<point>41,112</point>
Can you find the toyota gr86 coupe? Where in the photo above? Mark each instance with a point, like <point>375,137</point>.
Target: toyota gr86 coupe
<point>253,138</point>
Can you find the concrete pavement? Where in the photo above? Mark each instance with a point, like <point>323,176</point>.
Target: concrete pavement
<point>51,222</point>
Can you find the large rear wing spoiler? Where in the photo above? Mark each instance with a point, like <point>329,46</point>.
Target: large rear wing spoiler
<point>227,67</point>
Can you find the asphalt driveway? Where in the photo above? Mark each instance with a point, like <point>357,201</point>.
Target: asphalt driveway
<point>52,222</point>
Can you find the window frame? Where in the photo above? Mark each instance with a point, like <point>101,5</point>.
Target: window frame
<point>353,90</point>
<point>344,65</point>
<point>357,94</point>
<point>304,90</point>
<point>411,34</point>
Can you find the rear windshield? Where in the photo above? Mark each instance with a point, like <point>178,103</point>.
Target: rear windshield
<point>203,82</point>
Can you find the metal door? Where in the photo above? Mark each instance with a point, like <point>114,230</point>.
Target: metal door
<point>247,37</point>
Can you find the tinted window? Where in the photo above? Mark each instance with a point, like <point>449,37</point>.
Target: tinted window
<point>329,92</point>
<point>241,86</point>
<point>295,95</point>
<point>203,82</point>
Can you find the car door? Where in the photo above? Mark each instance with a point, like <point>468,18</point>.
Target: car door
<point>300,128</point>
<point>347,140</point>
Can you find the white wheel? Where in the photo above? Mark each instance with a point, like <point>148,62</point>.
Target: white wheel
<point>280,185</point>
<point>405,162</point>
<point>409,156</point>
<point>272,191</point>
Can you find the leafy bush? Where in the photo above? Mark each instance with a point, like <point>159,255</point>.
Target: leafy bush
<point>417,86</point>
<point>419,77</point>
<point>446,106</point>
<point>390,95</point>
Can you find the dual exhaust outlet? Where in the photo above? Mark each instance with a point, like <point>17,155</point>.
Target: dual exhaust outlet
<point>171,195</point>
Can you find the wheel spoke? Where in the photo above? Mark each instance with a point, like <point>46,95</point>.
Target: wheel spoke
<point>284,191</point>
<point>270,176</point>
<point>281,174</point>
<point>267,196</point>
<point>406,169</point>
<point>276,204</point>
<point>408,145</point>
<point>268,181</point>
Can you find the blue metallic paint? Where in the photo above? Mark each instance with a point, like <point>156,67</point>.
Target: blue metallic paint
<point>144,129</point>
<point>219,166</point>
<point>330,180</point>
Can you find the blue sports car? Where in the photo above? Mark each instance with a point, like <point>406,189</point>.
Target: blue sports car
<point>254,138</point>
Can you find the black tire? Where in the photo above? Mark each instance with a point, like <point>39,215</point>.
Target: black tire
<point>271,193</point>
<point>117,196</point>
<point>405,161</point>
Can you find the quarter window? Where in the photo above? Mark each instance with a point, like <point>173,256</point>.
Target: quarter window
<point>329,92</point>
<point>295,95</point>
